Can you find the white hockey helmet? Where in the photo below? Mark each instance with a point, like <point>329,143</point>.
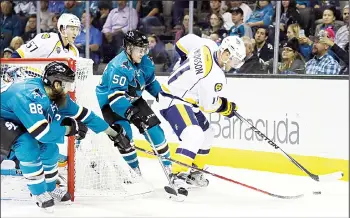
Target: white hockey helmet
<point>68,20</point>
<point>235,46</point>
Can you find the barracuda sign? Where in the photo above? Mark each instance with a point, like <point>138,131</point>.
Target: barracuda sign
<point>285,131</point>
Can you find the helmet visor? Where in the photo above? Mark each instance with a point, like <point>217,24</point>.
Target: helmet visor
<point>68,86</point>
<point>140,50</point>
<point>235,62</point>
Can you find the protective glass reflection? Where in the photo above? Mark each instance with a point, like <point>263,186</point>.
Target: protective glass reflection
<point>140,50</point>
<point>235,62</point>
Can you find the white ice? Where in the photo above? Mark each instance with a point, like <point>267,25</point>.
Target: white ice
<point>219,199</point>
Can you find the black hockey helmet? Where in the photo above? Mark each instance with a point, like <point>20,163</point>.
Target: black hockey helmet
<point>58,71</point>
<point>135,38</point>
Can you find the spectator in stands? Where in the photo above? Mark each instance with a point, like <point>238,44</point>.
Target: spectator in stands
<point>177,12</point>
<point>289,15</point>
<point>292,60</point>
<point>157,52</point>
<point>216,27</point>
<point>342,35</point>
<point>322,62</point>
<point>328,21</point>
<point>118,22</point>
<point>45,16</point>
<point>7,53</point>
<point>300,4</point>
<point>215,7</point>
<point>54,20</point>
<point>343,54</point>
<point>320,5</point>
<point>56,7</point>
<point>73,7</point>
<point>184,28</point>
<point>293,31</point>
<point>30,29</point>
<point>247,11</point>
<point>95,39</point>
<point>16,42</point>
<point>262,15</point>
<point>251,61</point>
<point>305,43</point>
<point>25,8</point>
<point>308,43</point>
<point>239,29</point>
<point>263,49</point>
<point>150,12</point>
<point>10,24</point>
<point>104,8</point>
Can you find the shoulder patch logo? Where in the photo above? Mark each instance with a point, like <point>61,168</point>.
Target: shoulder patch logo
<point>218,87</point>
<point>37,94</point>
<point>45,36</point>
<point>125,65</point>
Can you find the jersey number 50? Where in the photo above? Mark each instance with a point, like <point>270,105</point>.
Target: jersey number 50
<point>119,80</point>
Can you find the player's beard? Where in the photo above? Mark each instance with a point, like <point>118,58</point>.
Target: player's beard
<point>57,96</point>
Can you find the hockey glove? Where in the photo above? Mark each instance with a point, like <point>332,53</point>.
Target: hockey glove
<point>121,140</point>
<point>134,116</point>
<point>78,129</point>
<point>227,108</point>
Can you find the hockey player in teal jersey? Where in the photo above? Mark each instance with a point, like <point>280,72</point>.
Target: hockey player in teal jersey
<point>38,113</point>
<point>120,95</point>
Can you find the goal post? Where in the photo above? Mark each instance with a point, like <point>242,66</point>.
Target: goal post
<point>95,167</point>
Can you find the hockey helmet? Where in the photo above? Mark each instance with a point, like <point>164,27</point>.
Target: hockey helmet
<point>236,48</point>
<point>68,20</point>
<point>135,38</point>
<point>58,71</point>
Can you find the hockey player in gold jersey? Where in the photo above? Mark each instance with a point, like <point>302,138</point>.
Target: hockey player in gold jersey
<point>53,45</point>
<point>193,88</point>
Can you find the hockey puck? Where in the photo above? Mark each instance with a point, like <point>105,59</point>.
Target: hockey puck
<point>93,164</point>
<point>317,193</point>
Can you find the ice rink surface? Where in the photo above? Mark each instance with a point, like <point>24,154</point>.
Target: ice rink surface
<point>219,199</point>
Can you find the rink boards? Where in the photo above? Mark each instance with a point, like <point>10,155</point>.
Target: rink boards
<point>307,118</point>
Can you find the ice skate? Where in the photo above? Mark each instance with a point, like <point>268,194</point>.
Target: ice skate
<point>137,171</point>
<point>60,194</point>
<point>197,178</point>
<point>44,201</point>
<point>177,189</point>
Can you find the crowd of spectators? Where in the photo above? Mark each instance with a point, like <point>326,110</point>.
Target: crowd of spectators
<point>314,34</point>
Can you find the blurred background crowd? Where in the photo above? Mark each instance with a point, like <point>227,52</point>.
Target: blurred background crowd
<point>313,34</point>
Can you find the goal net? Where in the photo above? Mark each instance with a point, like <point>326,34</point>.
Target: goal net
<point>95,167</point>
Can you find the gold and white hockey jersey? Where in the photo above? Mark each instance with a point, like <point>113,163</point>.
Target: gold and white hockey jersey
<point>191,41</point>
<point>47,45</point>
<point>197,82</point>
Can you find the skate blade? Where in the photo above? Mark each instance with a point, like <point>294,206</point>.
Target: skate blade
<point>63,202</point>
<point>179,195</point>
<point>48,209</point>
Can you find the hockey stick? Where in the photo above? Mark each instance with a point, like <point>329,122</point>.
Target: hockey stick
<point>169,189</point>
<point>225,178</point>
<point>318,178</point>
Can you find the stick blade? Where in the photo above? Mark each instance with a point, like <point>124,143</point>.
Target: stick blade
<point>331,176</point>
